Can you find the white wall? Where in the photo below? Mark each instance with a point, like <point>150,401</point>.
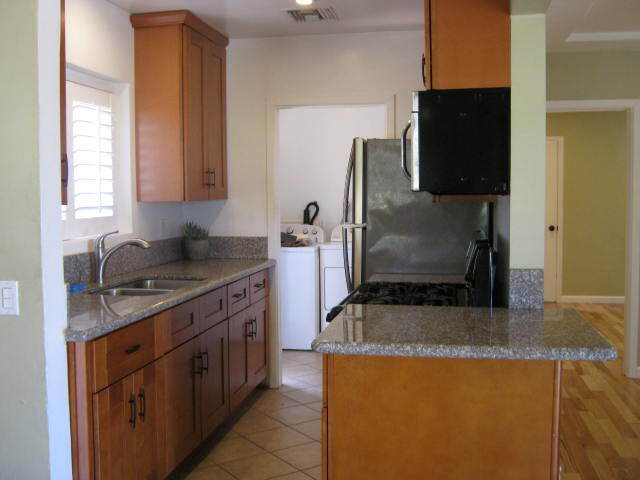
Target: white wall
<point>313,149</point>
<point>100,41</point>
<point>320,68</point>
<point>528,135</point>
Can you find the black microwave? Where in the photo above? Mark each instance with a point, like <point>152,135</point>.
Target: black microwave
<point>460,142</point>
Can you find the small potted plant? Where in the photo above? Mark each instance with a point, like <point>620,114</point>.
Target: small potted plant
<point>196,241</point>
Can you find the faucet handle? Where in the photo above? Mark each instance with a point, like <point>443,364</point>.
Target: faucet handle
<point>99,243</point>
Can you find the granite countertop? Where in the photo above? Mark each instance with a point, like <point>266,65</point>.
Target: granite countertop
<point>91,316</point>
<point>461,332</point>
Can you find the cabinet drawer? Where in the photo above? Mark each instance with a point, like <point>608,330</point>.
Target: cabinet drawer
<point>123,351</point>
<point>238,296</point>
<point>177,325</point>
<point>213,308</point>
<point>258,286</point>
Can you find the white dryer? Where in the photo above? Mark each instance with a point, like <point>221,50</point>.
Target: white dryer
<point>300,289</point>
<point>333,286</point>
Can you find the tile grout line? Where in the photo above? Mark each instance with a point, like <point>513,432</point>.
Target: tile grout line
<point>282,424</point>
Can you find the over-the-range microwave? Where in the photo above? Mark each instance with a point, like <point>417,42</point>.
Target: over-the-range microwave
<point>460,142</point>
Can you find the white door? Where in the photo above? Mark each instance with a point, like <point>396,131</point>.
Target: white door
<point>553,236</point>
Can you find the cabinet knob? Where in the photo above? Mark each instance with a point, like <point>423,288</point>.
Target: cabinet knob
<point>552,228</point>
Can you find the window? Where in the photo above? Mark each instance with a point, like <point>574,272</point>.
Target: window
<point>91,206</point>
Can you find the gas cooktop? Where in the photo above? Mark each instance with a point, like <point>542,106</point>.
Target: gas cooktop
<point>406,293</point>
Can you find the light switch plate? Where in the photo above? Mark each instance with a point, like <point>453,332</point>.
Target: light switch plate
<point>9,299</point>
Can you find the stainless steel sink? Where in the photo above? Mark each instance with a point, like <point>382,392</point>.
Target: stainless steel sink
<point>146,287</point>
<point>134,292</point>
<point>158,283</point>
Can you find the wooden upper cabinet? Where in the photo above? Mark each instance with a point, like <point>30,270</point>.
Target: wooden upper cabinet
<point>180,108</point>
<point>468,43</point>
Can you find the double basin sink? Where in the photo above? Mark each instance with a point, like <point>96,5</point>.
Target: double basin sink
<point>146,287</point>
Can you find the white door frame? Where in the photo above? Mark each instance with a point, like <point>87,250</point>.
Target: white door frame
<point>273,195</point>
<point>631,364</point>
<point>559,215</point>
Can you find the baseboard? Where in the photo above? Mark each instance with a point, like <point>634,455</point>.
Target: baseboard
<point>590,299</point>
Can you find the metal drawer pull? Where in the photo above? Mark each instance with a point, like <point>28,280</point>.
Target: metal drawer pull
<point>199,371</point>
<point>132,405</point>
<point>240,296</point>
<point>133,349</point>
<point>142,396</point>
<point>205,366</point>
<point>259,286</point>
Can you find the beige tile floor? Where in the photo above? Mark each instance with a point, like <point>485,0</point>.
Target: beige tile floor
<point>279,436</point>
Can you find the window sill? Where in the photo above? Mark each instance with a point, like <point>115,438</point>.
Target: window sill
<point>74,246</point>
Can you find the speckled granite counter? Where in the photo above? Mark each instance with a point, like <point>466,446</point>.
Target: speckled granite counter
<point>91,316</point>
<point>458,332</point>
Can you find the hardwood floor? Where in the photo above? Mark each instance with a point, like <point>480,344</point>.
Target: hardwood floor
<point>600,419</point>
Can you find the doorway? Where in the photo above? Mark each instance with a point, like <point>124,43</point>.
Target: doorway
<point>553,211</point>
<point>592,214</point>
<point>314,142</point>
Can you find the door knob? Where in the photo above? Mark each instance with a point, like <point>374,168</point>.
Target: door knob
<point>552,228</point>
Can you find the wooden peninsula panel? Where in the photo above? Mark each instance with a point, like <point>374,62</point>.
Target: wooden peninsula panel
<point>404,417</point>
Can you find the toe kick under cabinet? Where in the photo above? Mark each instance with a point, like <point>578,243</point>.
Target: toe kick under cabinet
<point>144,397</point>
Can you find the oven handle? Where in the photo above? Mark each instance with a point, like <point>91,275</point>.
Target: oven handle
<point>403,150</point>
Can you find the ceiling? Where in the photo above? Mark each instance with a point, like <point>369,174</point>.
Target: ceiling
<point>572,25</point>
<point>587,25</point>
<point>264,18</point>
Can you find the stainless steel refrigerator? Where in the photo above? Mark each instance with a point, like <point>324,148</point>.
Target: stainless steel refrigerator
<point>393,230</point>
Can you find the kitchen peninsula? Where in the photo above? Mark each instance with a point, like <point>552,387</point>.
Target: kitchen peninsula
<point>447,393</point>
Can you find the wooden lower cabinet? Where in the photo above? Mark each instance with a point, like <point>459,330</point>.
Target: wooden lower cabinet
<point>182,402</point>
<point>257,345</point>
<point>440,418</point>
<point>214,346</point>
<point>239,326</point>
<point>144,397</point>
<point>125,428</point>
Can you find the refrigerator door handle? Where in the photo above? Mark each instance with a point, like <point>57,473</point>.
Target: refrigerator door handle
<point>403,150</point>
<point>349,278</point>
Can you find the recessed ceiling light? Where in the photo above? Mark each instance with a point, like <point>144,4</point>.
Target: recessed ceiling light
<point>304,2</point>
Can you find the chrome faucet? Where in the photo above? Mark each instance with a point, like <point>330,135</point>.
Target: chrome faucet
<point>102,255</point>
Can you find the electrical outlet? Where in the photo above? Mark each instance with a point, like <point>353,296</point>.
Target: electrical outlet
<point>9,300</point>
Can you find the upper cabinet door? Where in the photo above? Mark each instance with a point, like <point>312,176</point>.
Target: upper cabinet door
<point>197,172</point>
<point>469,43</point>
<point>180,108</point>
<point>214,105</point>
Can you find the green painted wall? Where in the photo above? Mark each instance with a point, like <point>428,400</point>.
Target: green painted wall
<point>528,109</point>
<point>595,181</point>
<point>593,75</point>
<point>24,452</point>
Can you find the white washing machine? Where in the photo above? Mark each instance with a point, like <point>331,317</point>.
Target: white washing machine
<point>300,289</point>
<point>333,286</point>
